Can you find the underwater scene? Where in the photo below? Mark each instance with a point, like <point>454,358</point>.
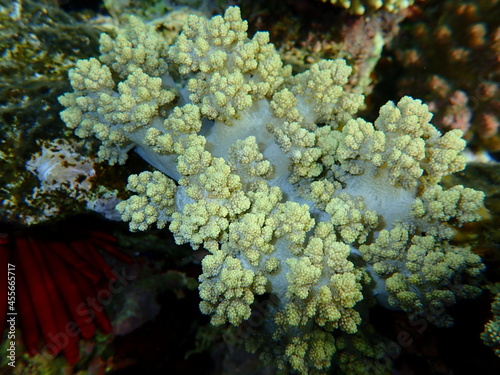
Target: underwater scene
<point>212,187</point>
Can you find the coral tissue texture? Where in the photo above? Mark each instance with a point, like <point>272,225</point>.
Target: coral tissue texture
<point>305,208</point>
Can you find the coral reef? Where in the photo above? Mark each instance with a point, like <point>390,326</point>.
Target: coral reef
<point>40,42</point>
<point>61,284</point>
<point>359,41</point>
<point>155,284</point>
<point>145,9</point>
<point>67,182</point>
<point>59,166</point>
<point>307,210</point>
<point>491,334</point>
<point>63,172</point>
<point>449,53</point>
<point>305,32</point>
<point>361,6</point>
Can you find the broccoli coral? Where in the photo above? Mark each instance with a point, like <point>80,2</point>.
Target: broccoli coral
<point>299,202</point>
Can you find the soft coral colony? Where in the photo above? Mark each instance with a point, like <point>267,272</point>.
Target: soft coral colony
<point>298,201</point>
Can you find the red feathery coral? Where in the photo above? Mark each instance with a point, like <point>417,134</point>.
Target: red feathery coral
<point>57,282</point>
